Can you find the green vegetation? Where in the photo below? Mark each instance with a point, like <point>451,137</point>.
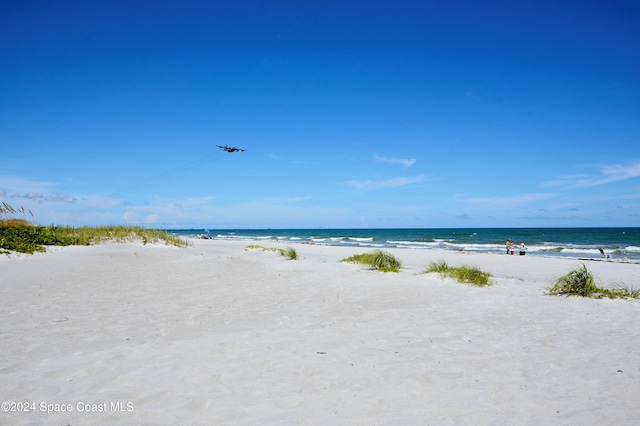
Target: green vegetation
<point>626,292</point>
<point>8,213</point>
<point>290,253</point>
<point>380,260</point>
<point>440,267</point>
<point>581,282</point>
<point>256,247</point>
<point>20,235</point>
<point>464,274</point>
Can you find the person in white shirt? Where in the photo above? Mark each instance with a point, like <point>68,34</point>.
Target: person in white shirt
<point>523,249</point>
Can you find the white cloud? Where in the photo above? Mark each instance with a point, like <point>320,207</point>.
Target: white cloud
<point>511,201</point>
<point>608,174</point>
<point>130,217</point>
<point>19,184</point>
<point>151,219</point>
<point>277,201</point>
<point>402,162</point>
<point>618,172</point>
<point>57,198</point>
<point>367,184</point>
<point>15,187</point>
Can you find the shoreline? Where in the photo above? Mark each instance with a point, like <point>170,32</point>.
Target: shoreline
<point>618,243</point>
<point>536,249</point>
<point>215,333</point>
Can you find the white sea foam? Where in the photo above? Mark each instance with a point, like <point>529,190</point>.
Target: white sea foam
<point>582,250</point>
<point>573,247</point>
<point>413,243</point>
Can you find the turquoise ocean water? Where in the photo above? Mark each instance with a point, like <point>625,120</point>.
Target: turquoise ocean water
<point>622,244</point>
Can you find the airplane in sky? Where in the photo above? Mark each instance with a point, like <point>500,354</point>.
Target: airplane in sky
<point>230,148</point>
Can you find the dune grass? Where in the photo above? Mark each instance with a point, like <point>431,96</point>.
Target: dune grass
<point>379,260</point>
<point>22,236</point>
<point>439,267</point>
<point>464,274</point>
<point>581,282</point>
<point>33,238</point>
<point>289,253</point>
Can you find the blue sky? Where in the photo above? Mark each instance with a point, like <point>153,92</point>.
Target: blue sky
<point>353,114</point>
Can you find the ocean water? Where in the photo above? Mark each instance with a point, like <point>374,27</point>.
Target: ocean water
<point>621,244</point>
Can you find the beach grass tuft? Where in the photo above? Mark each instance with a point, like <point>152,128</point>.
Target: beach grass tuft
<point>439,266</point>
<point>627,292</point>
<point>290,253</point>
<point>581,282</point>
<point>379,259</point>
<point>464,274</point>
<point>8,214</point>
<point>578,282</point>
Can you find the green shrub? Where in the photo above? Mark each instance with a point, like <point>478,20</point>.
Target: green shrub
<point>20,238</point>
<point>379,259</point>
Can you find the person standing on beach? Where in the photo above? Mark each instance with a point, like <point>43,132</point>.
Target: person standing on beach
<point>509,245</point>
<point>523,249</point>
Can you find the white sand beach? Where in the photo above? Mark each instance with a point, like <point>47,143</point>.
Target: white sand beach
<point>217,334</point>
